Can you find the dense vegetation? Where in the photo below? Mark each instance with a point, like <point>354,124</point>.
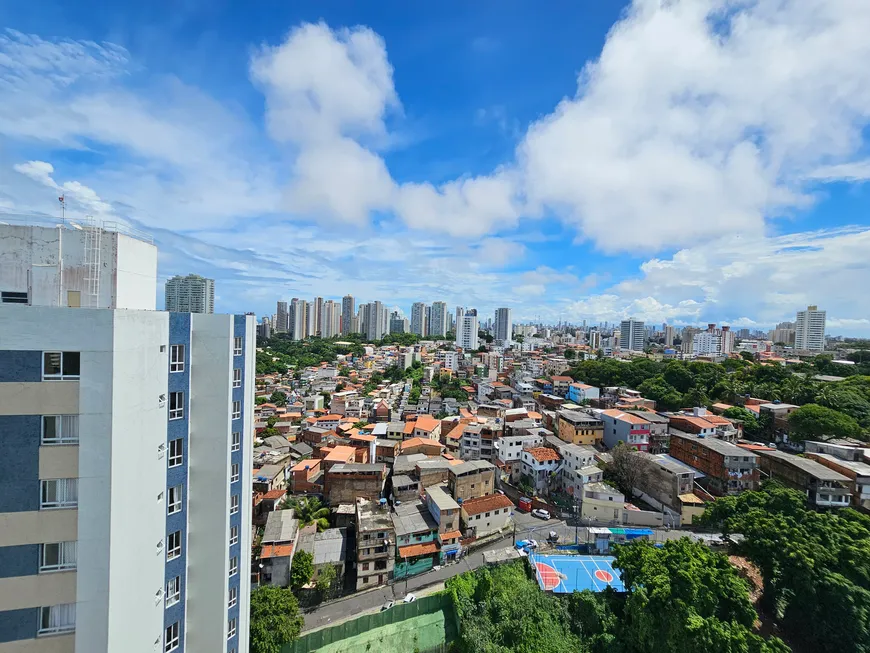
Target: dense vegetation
<point>815,565</point>
<point>275,619</point>
<point>682,597</point>
<point>281,353</point>
<point>677,384</point>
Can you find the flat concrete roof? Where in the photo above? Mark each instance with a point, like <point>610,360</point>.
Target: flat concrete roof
<point>815,469</point>
<point>413,517</point>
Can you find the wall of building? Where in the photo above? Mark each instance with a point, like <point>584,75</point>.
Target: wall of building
<point>136,273</point>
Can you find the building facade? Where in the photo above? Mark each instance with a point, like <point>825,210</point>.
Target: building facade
<point>503,325</point>
<point>466,331</point>
<point>347,314</point>
<point>810,329</point>
<point>190,294</point>
<point>438,320</point>
<point>631,335</point>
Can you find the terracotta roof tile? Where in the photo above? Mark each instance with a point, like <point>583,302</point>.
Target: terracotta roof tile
<point>414,550</point>
<point>486,504</point>
<point>542,454</point>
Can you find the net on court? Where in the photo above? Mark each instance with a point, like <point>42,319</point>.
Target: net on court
<point>563,574</point>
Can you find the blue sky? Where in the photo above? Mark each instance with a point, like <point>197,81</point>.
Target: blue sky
<point>673,161</point>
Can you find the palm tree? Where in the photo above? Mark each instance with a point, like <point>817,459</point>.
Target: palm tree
<point>308,510</point>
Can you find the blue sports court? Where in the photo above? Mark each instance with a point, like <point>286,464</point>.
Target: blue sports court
<point>563,574</point>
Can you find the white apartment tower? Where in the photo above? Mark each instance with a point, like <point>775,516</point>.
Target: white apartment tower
<point>466,331</point>
<point>282,318</point>
<point>631,335</point>
<point>810,329</point>
<point>418,319</point>
<point>125,483</point>
<point>330,320</point>
<point>503,325</point>
<point>190,294</point>
<point>713,341</point>
<point>438,323</point>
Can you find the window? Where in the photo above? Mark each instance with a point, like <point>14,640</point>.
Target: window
<point>60,429</point>
<point>237,346</point>
<point>234,504</point>
<point>173,591</point>
<point>176,405</point>
<point>176,358</point>
<point>234,597</point>
<point>234,474</point>
<point>237,441</point>
<point>365,566</point>
<point>237,378</point>
<point>60,365</point>
<point>234,535</point>
<point>57,556</point>
<point>57,619</point>
<point>176,452</point>
<point>13,297</point>
<point>237,409</point>
<point>174,504</point>
<point>171,641</point>
<point>234,565</point>
<point>173,550</point>
<point>59,493</point>
<point>231,628</point>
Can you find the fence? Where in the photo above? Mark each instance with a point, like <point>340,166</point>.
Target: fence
<point>400,612</point>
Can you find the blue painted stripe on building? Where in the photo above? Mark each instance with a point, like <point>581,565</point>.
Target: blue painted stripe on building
<point>18,624</point>
<point>19,462</point>
<point>236,457</point>
<point>20,366</point>
<point>22,560</point>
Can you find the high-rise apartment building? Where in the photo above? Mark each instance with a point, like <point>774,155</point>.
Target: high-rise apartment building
<point>330,320</point>
<point>376,319</point>
<point>810,329</point>
<point>398,324</point>
<point>282,318</point>
<point>466,331</point>
<point>264,329</point>
<point>438,320</point>
<point>347,314</point>
<point>298,318</point>
<point>503,325</point>
<point>125,483</point>
<point>631,335</point>
<point>317,317</point>
<point>418,319</point>
<point>669,336</point>
<point>713,341</point>
<point>190,294</point>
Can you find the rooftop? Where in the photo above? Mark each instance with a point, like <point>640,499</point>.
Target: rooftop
<point>441,499</point>
<point>281,527</point>
<point>543,454</point>
<point>486,503</point>
<point>413,517</point>
<point>576,417</point>
<point>357,468</point>
<point>719,446</point>
<point>371,516</point>
<point>815,469</point>
<point>861,469</point>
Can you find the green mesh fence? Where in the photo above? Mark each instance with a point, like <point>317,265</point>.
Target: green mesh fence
<point>427,625</point>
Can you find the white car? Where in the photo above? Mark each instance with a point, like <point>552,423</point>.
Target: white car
<point>541,514</point>
<point>410,598</point>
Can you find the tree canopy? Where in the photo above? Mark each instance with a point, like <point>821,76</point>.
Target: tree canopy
<point>308,510</point>
<point>815,422</point>
<point>275,619</point>
<point>301,570</point>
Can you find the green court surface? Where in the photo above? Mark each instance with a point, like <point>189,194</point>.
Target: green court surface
<point>423,633</point>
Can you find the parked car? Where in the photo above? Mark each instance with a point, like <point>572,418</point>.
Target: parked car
<point>526,544</point>
<point>541,514</point>
<point>409,598</point>
<point>387,605</point>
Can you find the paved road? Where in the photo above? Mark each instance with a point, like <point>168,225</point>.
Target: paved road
<point>372,600</point>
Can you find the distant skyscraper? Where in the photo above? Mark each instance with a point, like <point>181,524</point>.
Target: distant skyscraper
<point>282,318</point>
<point>669,336</point>
<point>631,335</point>
<point>438,320</point>
<point>317,316</point>
<point>264,329</point>
<point>330,320</point>
<point>347,314</point>
<point>810,329</point>
<point>377,319</point>
<point>190,294</point>
<point>418,319</point>
<point>503,325</point>
<point>298,319</point>
<point>466,331</point>
<point>398,324</point>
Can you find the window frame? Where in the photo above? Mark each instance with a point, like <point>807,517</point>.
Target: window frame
<point>237,377</point>
<point>238,345</point>
<point>234,565</point>
<point>234,598</point>
<point>70,627</point>
<point>232,627</point>
<point>174,504</point>
<point>173,551</point>
<point>63,424</point>
<point>234,504</point>
<point>173,591</point>
<point>176,398</point>
<point>176,459</point>
<point>172,637</point>
<point>234,473</point>
<point>67,556</point>
<point>236,442</point>
<point>176,363</point>
<point>61,375</point>
<point>66,487</point>
<point>234,535</point>
<point>237,410</point>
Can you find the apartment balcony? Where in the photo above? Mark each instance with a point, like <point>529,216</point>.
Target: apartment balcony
<point>372,553</point>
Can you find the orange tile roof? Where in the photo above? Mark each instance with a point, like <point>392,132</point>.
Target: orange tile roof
<point>415,442</point>
<point>582,386</point>
<point>274,494</point>
<point>624,417</point>
<point>486,503</point>
<point>450,535</point>
<point>414,550</point>
<point>329,418</point>
<point>276,550</point>
<point>535,415</point>
<point>409,428</point>
<point>542,454</point>
<point>363,437</point>
<point>341,453</point>
<point>300,466</point>
<point>427,423</point>
<point>562,379</point>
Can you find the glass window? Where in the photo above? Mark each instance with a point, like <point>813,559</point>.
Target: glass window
<point>234,535</point>
<point>234,565</point>
<point>173,550</point>
<point>231,628</point>
<point>57,619</point>
<point>59,493</point>
<point>174,504</point>
<point>237,346</point>
<point>237,441</point>
<point>234,504</point>
<point>176,358</point>
<point>234,597</point>
<point>176,452</point>
<point>57,556</point>
<point>173,591</point>
<point>61,365</point>
<point>172,640</point>
<point>60,429</point>
<point>237,409</point>
<point>176,405</point>
<point>234,475</point>
<point>237,378</point>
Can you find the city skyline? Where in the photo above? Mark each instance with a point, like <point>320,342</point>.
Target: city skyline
<point>501,189</point>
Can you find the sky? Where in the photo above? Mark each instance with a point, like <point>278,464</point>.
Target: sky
<point>673,161</point>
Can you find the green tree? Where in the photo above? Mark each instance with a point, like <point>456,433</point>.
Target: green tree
<point>360,425</point>
<point>663,393</point>
<point>261,400</point>
<point>275,619</point>
<point>325,581</point>
<point>301,570</point>
<point>278,398</point>
<point>747,356</point>
<point>814,422</point>
<point>750,423</point>
<point>628,469</point>
<point>308,510</point>
<point>570,354</point>
<point>678,375</point>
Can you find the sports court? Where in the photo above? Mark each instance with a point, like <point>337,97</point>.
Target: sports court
<point>563,574</point>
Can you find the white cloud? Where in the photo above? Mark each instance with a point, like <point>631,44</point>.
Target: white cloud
<point>853,171</point>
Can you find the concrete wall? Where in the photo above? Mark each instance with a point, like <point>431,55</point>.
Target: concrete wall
<point>136,273</point>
